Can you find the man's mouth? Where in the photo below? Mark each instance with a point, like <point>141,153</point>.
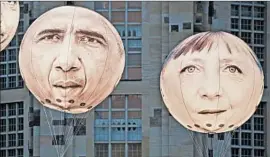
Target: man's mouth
<point>66,84</point>
<point>211,111</point>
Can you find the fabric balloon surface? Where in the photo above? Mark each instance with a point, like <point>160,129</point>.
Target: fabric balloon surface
<point>10,15</point>
<point>71,59</point>
<point>212,82</point>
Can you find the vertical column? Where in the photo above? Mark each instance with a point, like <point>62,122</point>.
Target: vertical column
<point>36,127</point>
<point>267,78</point>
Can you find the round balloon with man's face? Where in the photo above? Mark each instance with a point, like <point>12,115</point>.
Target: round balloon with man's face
<point>10,15</point>
<point>212,82</point>
<point>71,58</point>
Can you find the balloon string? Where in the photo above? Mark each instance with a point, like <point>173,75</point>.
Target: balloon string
<point>191,134</point>
<point>51,130</point>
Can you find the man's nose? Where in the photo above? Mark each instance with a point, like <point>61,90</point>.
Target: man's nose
<point>67,60</point>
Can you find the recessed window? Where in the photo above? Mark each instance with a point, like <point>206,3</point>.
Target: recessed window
<point>174,28</point>
<point>187,25</point>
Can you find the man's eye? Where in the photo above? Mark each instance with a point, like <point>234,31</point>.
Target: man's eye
<point>189,69</point>
<point>233,69</point>
<point>52,38</point>
<point>89,40</point>
<point>11,2</point>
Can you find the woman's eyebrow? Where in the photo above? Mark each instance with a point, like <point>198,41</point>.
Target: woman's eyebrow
<point>230,60</point>
<point>198,60</point>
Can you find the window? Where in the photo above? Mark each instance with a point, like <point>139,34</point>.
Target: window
<point>12,124</point>
<point>259,153</point>
<point>235,10</point>
<point>20,123</point>
<point>246,139</point>
<point>210,153</point>
<point>259,139</point>
<point>246,24</point>
<point>260,109</point>
<point>58,140</point>
<point>20,152</point>
<point>259,12</point>
<point>187,25</point>
<point>3,125</point>
<point>118,101</point>
<point>2,110</point>
<point>258,25</point>
<point>11,153</point>
<point>234,23</point>
<point>12,109</point>
<point>2,141</point>
<point>20,26</point>
<point>134,30</point>
<point>246,125</point>
<point>246,11</point>
<point>3,83</point>
<point>20,108</point>
<point>134,5</point>
<point>221,136</point>
<point>20,37</point>
<point>174,28</point>
<point>3,69</point>
<point>101,150</point>
<point>134,150</point>
<point>12,68</point>
<point>246,152</point>
<point>3,56</point>
<point>118,16</point>
<point>235,33</point>
<point>12,81</point>
<point>246,37</point>
<point>235,152</point>
<point>3,153</point>
<point>258,38</point>
<point>259,51</point>
<point>118,5</point>
<point>80,127</point>
<point>13,42</point>
<point>12,55</point>
<point>101,5</point>
<point>12,140</point>
<point>118,150</point>
<point>134,17</point>
<point>20,139</point>
<point>235,138</point>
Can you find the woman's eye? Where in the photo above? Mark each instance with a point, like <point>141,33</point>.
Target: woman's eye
<point>233,69</point>
<point>189,69</point>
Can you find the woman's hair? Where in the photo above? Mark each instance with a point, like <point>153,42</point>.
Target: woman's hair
<point>200,41</point>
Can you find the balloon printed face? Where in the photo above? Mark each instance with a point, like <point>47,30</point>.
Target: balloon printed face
<point>10,12</point>
<point>71,59</point>
<point>212,82</point>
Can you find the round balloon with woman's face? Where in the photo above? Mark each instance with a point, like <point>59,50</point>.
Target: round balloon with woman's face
<point>212,82</point>
<point>10,15</point>
<point>71,58</point>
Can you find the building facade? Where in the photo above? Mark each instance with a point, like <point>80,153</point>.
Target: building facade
<point>133,121</point>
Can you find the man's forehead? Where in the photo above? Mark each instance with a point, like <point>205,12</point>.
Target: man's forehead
<point>78,19</point>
